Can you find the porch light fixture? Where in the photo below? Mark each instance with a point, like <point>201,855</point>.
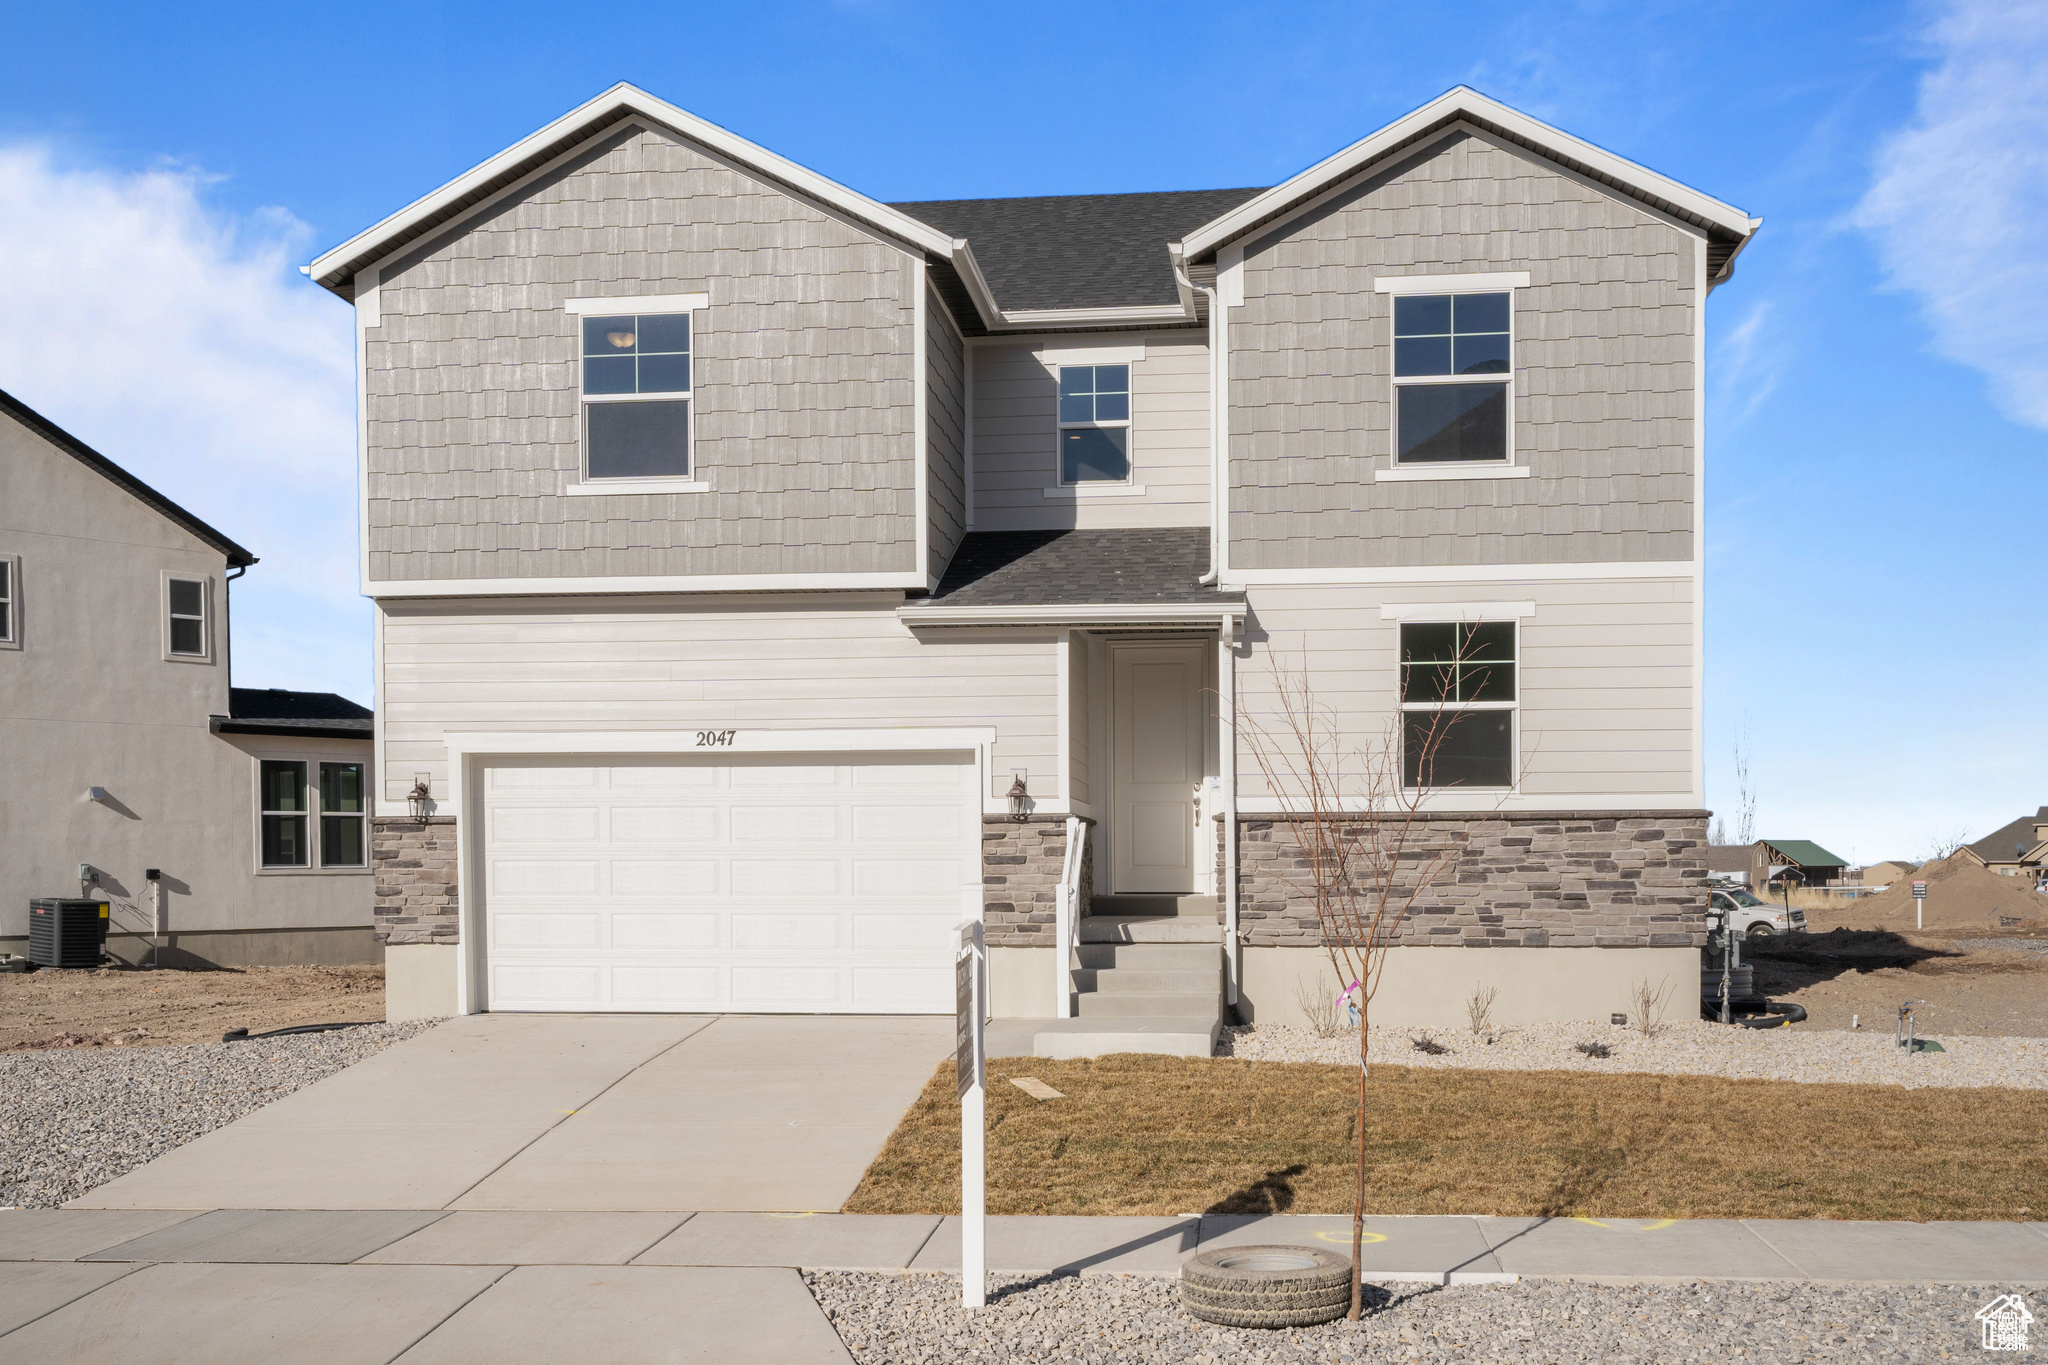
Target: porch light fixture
<point>420,799</point>
<point>1020,800</point>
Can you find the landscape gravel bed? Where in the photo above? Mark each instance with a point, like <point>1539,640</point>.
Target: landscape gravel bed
<point>1860,1056</point>
<point>904,1319</point>
<point>75,1118</point>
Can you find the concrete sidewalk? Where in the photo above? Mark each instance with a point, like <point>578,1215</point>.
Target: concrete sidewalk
<point>154,1287</point>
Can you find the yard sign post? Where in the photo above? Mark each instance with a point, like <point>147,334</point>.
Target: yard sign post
<point>1919,903</point>
<point>970,1075</point>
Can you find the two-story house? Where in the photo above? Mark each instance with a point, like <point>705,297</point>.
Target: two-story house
<point>218,825</point>
<point>769,578</point>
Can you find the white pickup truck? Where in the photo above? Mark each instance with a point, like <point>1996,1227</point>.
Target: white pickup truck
<point>1753,918</point>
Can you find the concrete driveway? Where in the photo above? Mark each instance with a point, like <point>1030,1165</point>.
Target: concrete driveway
<point>524,1112</point>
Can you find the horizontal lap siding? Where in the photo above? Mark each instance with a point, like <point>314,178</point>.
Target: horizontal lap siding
<point>803,374</point>
<point>1016,425</point>
<point>584,666</point>
<point>1605,679</point>
<point>946,425</point>
<point>1603,374</point>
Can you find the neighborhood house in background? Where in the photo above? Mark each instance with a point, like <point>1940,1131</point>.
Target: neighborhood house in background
<point>769,578</point>
<point>2020,849</point>
<point>125,749</point>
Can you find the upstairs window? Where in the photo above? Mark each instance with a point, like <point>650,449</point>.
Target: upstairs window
<point>10,594</point>
<point>1095,424</point>
<point>185,626</point>
<point>1451,378</point>
<point>636,396</point>
<point>1458,704</point>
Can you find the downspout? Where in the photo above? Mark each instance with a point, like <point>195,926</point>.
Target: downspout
<point>1217,512</point>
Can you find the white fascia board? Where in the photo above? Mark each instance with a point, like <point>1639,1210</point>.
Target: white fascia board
<point>1469,102</point>
<point>1099,317</point>
<point>1491,281</point>
<point>1459,573</point>
<point>1110,350</point>
<point>962,255</point>
<point>1085,614</point>
<point>385,589</point>
<point>639,303</point>
<point>1456,611</point>
<point>631,98</point>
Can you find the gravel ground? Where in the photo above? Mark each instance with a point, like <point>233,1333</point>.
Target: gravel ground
<point>2001,945</point>
<point>901,1319</point>
<point>76,1118</point>
<point>1864,1056</point>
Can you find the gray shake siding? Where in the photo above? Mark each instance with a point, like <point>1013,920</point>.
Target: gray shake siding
<point>945,418</point>
<point>804,381</point>
<point>1603,373</point>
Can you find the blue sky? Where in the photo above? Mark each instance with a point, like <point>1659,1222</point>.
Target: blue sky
<point>1878,373</point>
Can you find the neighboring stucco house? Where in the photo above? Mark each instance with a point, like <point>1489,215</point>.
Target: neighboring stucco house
<point>2018,849</point>
<point>768,577</point>
<point>124,749</point>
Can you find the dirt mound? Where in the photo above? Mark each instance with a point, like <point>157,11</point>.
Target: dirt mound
<point>1961,894</point>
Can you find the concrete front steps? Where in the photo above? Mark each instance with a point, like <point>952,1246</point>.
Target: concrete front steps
<point>1147,977</point>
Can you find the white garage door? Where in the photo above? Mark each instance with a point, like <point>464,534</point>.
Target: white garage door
<point>825,884</point>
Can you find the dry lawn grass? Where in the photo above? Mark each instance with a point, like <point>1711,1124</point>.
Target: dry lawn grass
<point>1168,1135</point>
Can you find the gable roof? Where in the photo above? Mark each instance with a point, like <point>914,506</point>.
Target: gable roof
<point>1728,228</point>
<point>1122,567</point>
<point>78,450</point>
<point>278,711</point>
<point>2000,845</point>
<point>1078,250</point>
<point>1804,853</point>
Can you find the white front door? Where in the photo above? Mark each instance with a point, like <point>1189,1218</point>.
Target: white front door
<point>829,883</point>
<point>1156,735</point>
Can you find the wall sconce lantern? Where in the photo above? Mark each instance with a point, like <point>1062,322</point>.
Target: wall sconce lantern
<point>420,800</point>
<point>1020,800</point>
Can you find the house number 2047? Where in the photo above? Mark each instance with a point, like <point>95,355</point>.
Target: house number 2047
<point>715,739</point>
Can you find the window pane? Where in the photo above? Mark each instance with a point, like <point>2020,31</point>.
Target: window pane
<point>1094,456</point>
<point>664,374</point>
<point>1077,408</point>
<point>667,332</point>
<point>1422,355</point>
<point>1426,641</point>
<point>638,440</point>
<point>341,841</point>
<point>1486,682</point>
<point>185,597</point>
<point>1112,407</point>
<point>1076,379</point>
<point>284,841</point>
<point>6,620</point>
<point>187,636</point>
<point>6,580</point>
<point>1457,748</point>
<point>1112,379</point>
<point>283,785</point>
<point>1480,312</point>
<point>1443,423</point>
<point>1486,354</point>
<point>609,336</point>
<point>1428,683</point>
<point>1421,314</point>
<point>341,787</point>
<point>608,374</point>
<point>1487,640</point>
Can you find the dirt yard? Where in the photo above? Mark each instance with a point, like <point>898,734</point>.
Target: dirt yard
<point>1863,975</point>
<point>124,1007</point>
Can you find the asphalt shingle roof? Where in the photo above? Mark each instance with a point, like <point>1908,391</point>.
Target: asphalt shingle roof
<point>277,711</point>
<point>1156,567</point>
<point>2000,845</point>
<point>1078,250</point>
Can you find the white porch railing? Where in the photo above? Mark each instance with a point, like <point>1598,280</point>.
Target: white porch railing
<point>1066,914</point>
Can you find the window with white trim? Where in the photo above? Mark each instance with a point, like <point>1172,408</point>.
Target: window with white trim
<point>1095,424</point>
<point>288,790</point>
<point>186,623</point>
<point>1458,702</point>
<point>1452,378</point>
<point>10,601</point>
<point>636,396</point>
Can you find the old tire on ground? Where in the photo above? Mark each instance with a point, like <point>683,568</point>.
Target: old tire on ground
<point>1271,1286</point>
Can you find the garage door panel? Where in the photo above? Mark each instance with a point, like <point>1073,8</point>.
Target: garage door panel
<point>655,932</point>
<point>741,882</point>
<point>664,824</point>
<point>652,877</point>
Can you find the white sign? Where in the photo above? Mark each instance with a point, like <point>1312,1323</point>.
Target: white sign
<point>970,1062</point>
<point>1919,891</point>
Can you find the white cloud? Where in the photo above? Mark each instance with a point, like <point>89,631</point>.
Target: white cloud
<point>1959,206</point>
<point>179,340</point>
